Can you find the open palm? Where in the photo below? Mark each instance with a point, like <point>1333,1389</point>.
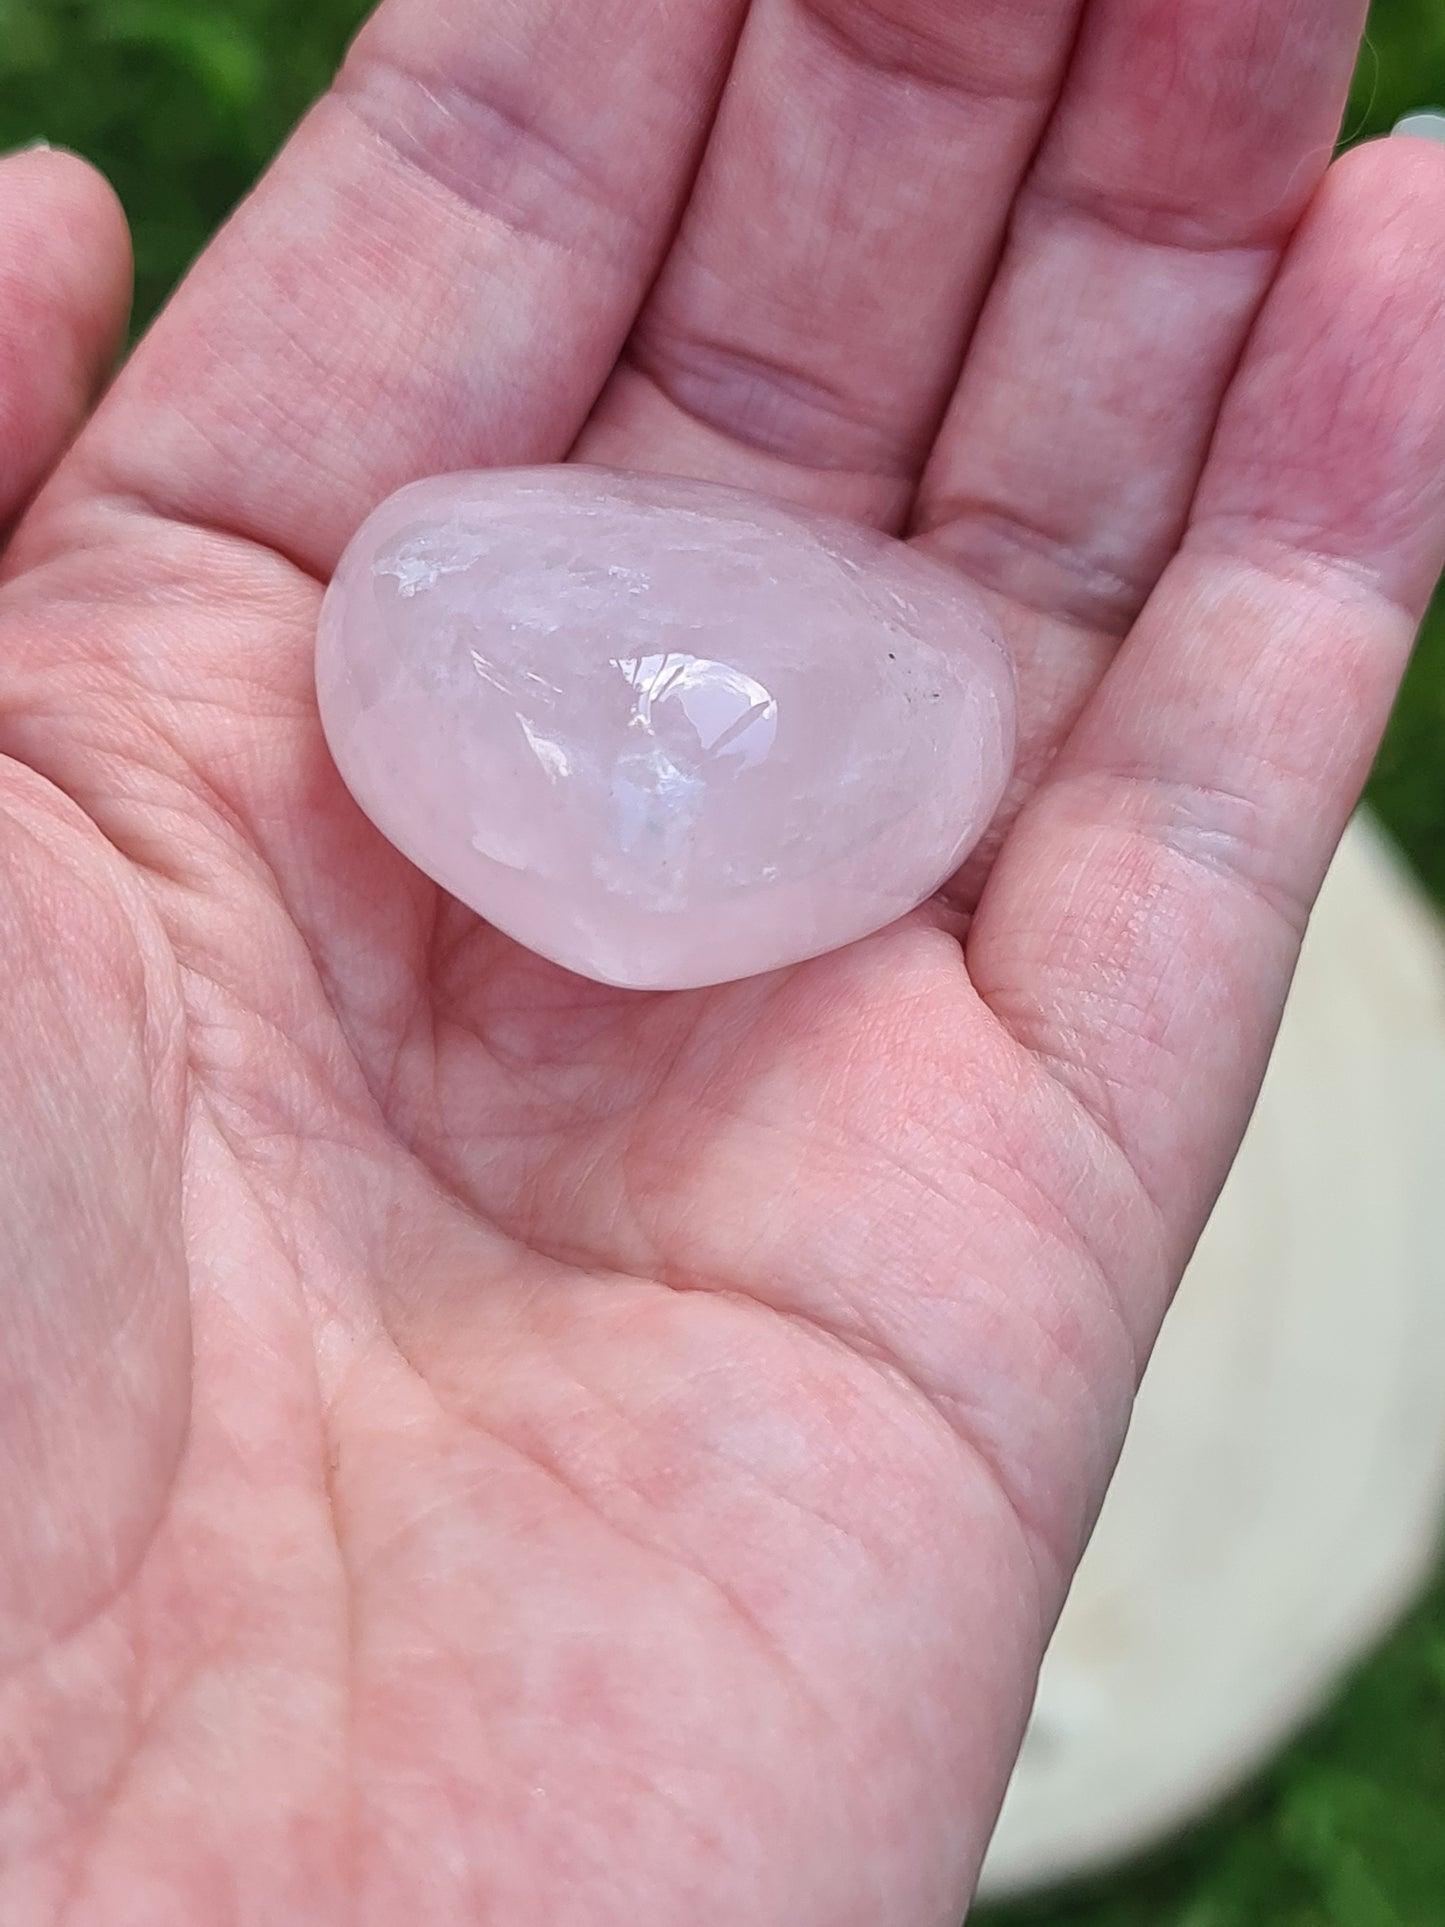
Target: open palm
<point>476,1447</point>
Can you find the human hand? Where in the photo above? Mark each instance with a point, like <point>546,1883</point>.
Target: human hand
<point>479,1447</point>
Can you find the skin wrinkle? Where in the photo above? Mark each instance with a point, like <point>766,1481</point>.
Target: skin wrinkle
<point>850,1339</point>
<point>968,533</point>
<point>854,1330</point>
<point>568,1096</point>
<point>1002,1121</point>
<point>550,1464</point>
<point>109,1798</point>
<point>119,991</point>
<point>350,1821</point>
<point>105,1797</point>
<point>1073,1056</point>
<point>145,513</point>
<point>390,100</point>
<point>182,1682</point>
<point>759,1636</point>
<point>866,1336</point>
<point>1073,1235</point>
<point>1191,820</point>
<point>962,1415</point>
<point>221,814</point>
<point>1158,225</point>
<point>313,1111</point>
<point>815,1331</point>
<point>1081,589</point>
<point>254,412</point>
<point>878,35</point>
<point>1072,1066</point>
<point>766,406</point>
<point>1286,553</point>
<point>172,704</point>
<point>852,1334</point>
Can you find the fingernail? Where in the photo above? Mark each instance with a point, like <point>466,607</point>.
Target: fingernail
<point>1428,124</point>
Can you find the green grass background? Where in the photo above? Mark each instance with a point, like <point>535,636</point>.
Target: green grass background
<point>181,102</point>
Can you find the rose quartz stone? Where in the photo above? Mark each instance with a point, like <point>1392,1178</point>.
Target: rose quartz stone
<point>663,733</point>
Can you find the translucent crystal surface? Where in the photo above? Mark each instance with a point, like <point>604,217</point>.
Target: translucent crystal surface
<point>663,733</point>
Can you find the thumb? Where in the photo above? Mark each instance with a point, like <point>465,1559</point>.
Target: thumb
<point>65,283</point>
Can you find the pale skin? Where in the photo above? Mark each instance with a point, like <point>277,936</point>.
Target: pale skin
<point>476,1447</point>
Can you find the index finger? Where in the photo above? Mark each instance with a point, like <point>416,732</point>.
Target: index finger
<point>437,273</point>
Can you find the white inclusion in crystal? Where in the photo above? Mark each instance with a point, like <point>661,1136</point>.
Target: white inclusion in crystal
<point>412,573</point>
<point>506,682</point>
<point>494,677</point>
<point>655,805</point>
<point>421,564</point>
<point>540,682</point>
<point>550,755</point>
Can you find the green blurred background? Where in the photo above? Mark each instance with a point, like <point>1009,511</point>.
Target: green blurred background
<point>181,102</point>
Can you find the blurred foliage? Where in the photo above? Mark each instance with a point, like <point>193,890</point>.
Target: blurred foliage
<point>1402,66</point>
<point>182,102</point>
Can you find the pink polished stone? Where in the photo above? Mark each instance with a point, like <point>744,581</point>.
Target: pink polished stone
<point>663,733</point>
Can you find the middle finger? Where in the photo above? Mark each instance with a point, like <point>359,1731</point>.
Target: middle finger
<point>810,321</point>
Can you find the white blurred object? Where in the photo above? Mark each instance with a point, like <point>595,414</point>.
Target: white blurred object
<point>1280,1500</point>
<point>1428,124</point>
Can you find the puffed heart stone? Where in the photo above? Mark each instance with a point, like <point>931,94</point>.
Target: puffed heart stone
<point>663,733</point>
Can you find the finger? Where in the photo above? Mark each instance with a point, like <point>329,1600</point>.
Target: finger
<point>437,273</point>
<point>1143,921</point>
<point>1190,138</point>
<point>808,325</point>
<point>65,276</point>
